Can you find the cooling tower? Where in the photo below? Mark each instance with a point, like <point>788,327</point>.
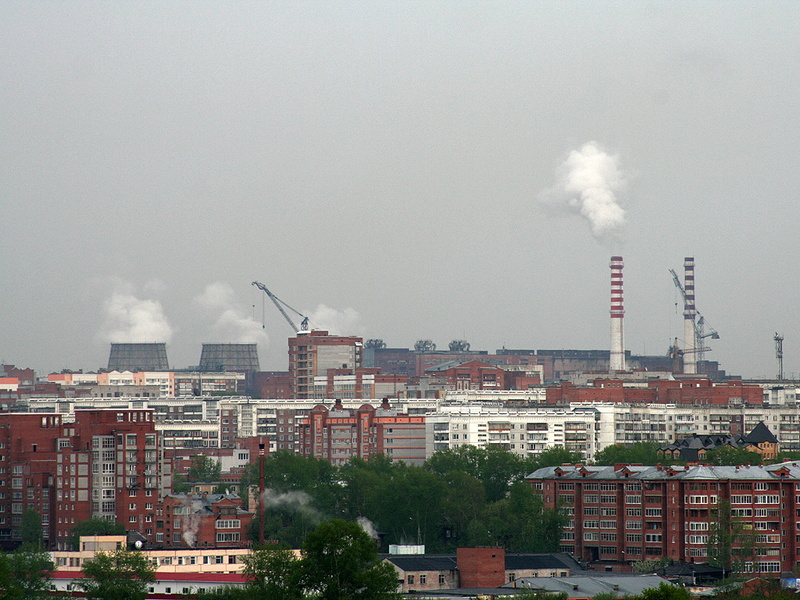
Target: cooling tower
<point>229,357</point>
<point>138,357</point>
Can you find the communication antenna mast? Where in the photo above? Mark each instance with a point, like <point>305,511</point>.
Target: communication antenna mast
<point>779,354</point>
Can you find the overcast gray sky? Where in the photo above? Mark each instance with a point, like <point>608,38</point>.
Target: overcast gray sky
<point>380,166</point>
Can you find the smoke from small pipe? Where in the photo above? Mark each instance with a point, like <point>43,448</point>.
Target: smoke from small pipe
<point>588,182</point>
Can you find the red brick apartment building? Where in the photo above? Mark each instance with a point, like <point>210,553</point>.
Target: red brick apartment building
<point>696,391</point>
<point>312,353</point>
<point>340,434</point>
<point>105,464</point>
<point>624,513</point>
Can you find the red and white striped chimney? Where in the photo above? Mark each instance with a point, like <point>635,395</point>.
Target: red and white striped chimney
<point>689,314</point>
<point>617,357</point>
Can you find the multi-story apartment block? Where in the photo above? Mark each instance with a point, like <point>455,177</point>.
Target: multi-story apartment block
<point>105,464</point>
<point>340,434</point>
<point>358,384</point>
<point>683,391</point>
<point>625,513</point>
<point>312,353</point>
<point>527,432</point>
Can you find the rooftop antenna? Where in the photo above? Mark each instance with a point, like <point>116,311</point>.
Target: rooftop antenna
<point>779,354</point>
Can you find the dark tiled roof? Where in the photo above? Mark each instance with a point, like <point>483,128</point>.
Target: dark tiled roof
<point>422,562</point>
<point>760,434</point>
<point>541,561</point>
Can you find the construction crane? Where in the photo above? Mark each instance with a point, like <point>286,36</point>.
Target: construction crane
<point>700,324</point>
<point>280,304</point>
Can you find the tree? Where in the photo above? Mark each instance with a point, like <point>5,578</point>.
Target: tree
<point>529,594</point>
<point>93,526</point>
<point>728,455</point>
<point>554,456</point>
<point>31,529</point>
<point>519,523</point>
<point>643,453</point>
<point>204,468</point>
<point>273,574</point>
<point>117,574</point>
<point>730,545</point>
<point>494,466</point>
<point>665,591</point>
<point>340,562</point>
<point>25,574</point>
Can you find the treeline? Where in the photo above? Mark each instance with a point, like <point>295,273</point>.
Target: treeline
<point>646,453</point>
<point>461,497</point>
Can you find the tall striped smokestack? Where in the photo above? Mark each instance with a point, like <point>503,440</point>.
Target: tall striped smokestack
<point>689,315</point>
<point>617,357</point>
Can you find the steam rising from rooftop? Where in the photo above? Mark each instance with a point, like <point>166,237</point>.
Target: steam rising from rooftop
<point>588,182</point>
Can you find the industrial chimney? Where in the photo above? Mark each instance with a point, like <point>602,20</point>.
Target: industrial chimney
<point>617,356</point>
<point>689,314</point>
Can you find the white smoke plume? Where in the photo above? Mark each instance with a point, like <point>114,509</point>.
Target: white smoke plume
<point>130,319</point>
<point>190,523</point>
<point>231,325</point>
<point>337,322</point>
<point>296,501</point>
<point>367,526</point>
<point>588,182</point>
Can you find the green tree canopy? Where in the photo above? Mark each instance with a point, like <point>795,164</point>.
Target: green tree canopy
<point>273,574</point>
<point>730,542</point>
<point>495,467</point>
<point>93,526</point>
<point>114,575</point>
<point>643,453</point>
<point>519,523</point>
<point>728,455</point>
<point>340,562</point>
<point>204,469</point>
<point>25,574</point>
<point>31,529</point>
<point>555,456</point>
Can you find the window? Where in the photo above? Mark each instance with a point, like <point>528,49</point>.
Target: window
<point>410,580</point>
<point>228,537</point>
<point>441,579</point>
<point>423,579</point>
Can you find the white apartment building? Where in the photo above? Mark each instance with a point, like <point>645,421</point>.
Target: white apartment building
<point>527,432</point>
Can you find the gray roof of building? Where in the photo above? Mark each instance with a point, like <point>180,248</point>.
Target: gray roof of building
<point>423,562</point>
<point>556,560</point>
<point>447,562</point>
<point>592,586</point>
<point>649,473</point>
